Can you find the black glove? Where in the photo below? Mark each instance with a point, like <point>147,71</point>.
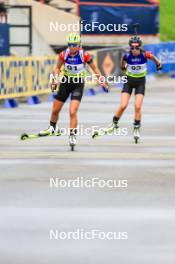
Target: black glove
<point>123,68</point>
<point>159,67</point>
<point>106,88</point>
<point>53,86</point>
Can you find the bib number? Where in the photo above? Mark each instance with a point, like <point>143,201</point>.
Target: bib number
<point>72,67</point>
<point>136,68</point>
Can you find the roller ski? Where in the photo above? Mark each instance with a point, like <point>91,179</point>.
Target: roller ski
<point>106,131</point>
<point>136,133</point>
<point>72,141</point>
<point>50,131</point>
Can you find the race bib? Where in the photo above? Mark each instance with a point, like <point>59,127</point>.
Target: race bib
<point>137,68</point>
<point>74,69</point>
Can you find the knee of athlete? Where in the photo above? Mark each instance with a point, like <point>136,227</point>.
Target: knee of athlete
<point>137,107</point>
<point>73,113</point>
<point>123,106</point>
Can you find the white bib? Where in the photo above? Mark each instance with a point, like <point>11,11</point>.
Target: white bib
<point>137,68</point>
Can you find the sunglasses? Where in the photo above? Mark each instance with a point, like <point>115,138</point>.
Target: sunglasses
<point>72,45</point>
<point>135,48</point>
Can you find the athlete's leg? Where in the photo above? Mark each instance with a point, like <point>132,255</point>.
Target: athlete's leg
<point>74,106</point>
<point>57,106</point>
<point>138,115</point>
<point>138,107</point>
<point>125,96</point>
<point>123,105</point>
<point>76,96</point>
<point>139,96</point>
<point>60,98</point>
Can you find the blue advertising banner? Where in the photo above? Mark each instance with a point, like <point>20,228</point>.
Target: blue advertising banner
<point>166,54</point>
<point>4,39</point>
<point>118,20</point>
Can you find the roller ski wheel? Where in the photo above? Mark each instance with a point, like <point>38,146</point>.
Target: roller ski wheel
<point>136,134</point>
<point>136,139</point>
<point>72,147</point>
<point>24,136</point>
<point>72,142</point>
<point>96,134</point>
<point>41,134</point>
<point>107,131</point>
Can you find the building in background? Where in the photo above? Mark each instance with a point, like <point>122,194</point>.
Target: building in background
<point>31,33</point>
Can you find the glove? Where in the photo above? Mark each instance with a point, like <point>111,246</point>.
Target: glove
<point>53,82</point>
<point>159,67</point>
<point>106,90</point>
<point>123,68</point>
<point>105,87</point>
<point>53,86</point>
<point>103,84</point>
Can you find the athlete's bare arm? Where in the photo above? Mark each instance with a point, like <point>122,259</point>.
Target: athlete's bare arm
<point>56,73</point>
<point>95,69</point>
<point>123,64</point>
<point>58,67</point>
<point>155,59</point>
<point>98,74</point>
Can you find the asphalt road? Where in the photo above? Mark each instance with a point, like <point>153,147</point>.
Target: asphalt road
<point>144,210</point>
